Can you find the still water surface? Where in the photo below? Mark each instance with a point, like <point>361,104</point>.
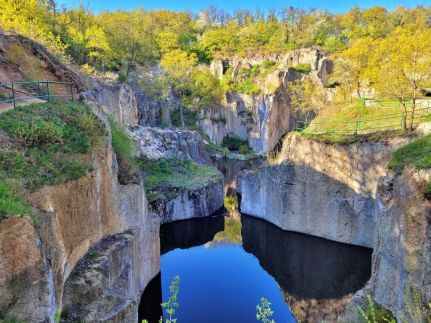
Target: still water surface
<point>227,264</point>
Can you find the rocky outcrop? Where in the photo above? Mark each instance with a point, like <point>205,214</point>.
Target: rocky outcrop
<point>189,204</point>
<point>319,189</point>
<point>264,118</point>
<point>158,143</point>
<point>77,216</point>
<point>402,246</point>
<point>154,107</point>
<point>115,99</point>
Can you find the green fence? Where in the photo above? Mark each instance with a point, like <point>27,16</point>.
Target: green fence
<point>367,125</point>
<point>15,92</point>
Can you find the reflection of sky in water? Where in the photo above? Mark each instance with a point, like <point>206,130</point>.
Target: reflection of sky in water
<point>221,284</point>
<point>227,265</point>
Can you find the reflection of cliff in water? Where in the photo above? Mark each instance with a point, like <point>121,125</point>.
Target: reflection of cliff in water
<point>317,276</point>
<point>150,308</point>
<point>189,233</point>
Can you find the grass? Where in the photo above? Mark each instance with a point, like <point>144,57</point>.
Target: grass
<point>344,122</point>
<point>125,151</point>
<point>165,176</point>
<point>49,143</point>
<point>303,68</point>
<point>417,154</point>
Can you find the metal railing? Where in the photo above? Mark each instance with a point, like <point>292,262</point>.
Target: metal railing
<point>397,121</point>
<point>43,90</point>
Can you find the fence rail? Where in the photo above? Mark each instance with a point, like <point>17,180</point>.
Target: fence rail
<point>30,90</point>
<point>368,125</point>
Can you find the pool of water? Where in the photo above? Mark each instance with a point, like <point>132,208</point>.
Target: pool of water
<point>227,264</point>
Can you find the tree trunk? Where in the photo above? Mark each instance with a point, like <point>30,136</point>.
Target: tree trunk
<point>412,117</point>
<point>182,116</point>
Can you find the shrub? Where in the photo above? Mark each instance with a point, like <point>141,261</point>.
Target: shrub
<point>244,149</point>
<point>38,133</point>
<point>11,203</point>
<point>303,68</point>
<point>122,78</point>
<point>233,142</point>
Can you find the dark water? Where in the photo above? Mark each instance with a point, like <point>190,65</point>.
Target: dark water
<point>227,263</point>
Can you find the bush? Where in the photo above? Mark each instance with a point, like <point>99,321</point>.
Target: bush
<point>38,133</point>
<point>234,142</point>
<point>11,203</point>
<point>244,149</point>
<point>303,68</point>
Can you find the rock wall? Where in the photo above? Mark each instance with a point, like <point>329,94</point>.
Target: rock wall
<point>264,118</point>
<point>402,246</point>
<point>78,214</point>
<point>114,98</point>
<point>154,108</point>
<point>155,143</point>
<point>192,204</point>
<point>319,189</point>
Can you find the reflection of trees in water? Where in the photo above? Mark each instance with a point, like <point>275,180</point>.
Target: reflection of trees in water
<point>231,233</point>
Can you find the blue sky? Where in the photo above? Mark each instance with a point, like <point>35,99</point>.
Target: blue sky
<point>196,5</point>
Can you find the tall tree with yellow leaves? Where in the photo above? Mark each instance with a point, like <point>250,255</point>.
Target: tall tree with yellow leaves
<point>400,66</point>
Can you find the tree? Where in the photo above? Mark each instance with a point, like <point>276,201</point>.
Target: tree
<point>179,66</point>
<point>358,55</point>
<point>400,65</point>
<point>343,76</point>
<point>306,97</point>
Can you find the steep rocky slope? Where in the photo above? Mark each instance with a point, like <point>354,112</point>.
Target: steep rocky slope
<point>77,215</point>
<point>263,118</point>
<point>345,193</point>
<point>320,189</point>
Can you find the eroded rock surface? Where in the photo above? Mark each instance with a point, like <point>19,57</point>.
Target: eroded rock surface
<point>156,143</point>
<point>115,99</point>
<point>264,118</point>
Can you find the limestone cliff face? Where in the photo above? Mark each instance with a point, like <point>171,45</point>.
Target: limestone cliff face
<point>114,98</point>
<point>155,143</point>
<point>319,189</point>
<point>264,118</point>
<point>402,246</point>
<point>78,215</point>
<point>192,204</point>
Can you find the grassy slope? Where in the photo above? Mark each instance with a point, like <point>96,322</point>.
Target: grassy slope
<point>339,121</point>
<point>43,144</point>
<point>416,154</point>
<point>166,176</point>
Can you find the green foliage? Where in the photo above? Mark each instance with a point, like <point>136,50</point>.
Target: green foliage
<point>190,118</point>
<point>164,175</point>
<point>264,311</point>
<point>215,149</point>
<point>11,203</point>
<point>234,143</point>
<point>50,150</point>
<point>124,150</point>
<point>244,149</point>
<point>303,68</point>
<point>375,313</point>
<point>172,304</point>
<point>417,154</point>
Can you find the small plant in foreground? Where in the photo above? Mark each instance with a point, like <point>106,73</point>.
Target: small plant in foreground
<point>264,311</point>
<point>375,313</point>
<point>172,303</point>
